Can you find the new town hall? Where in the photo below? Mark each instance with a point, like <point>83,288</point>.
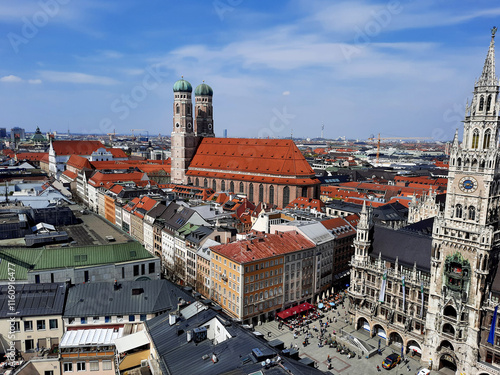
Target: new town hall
<point>433,286</point>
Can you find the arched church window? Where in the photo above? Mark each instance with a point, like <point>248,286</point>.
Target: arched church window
<point>458,211</point>
<point>286,196</point>
<point>205,183</point>
<point>223,185</point>
<point>231,187</point>
<point>488,103</point>
<point>177,109</point>
<point>459,162</point>
<point>197,182</point>
<point>475,138</point>
<point>487,138</point>
<point>250,192</point>
<point>472,213</point>
<point>481,103</point>
<point>271,195</point>
<point>214,185</point>
<point>261,193</point>
<point>242,187</point>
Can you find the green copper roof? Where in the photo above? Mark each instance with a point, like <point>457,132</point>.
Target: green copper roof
<point>26,259</point>
<point>183,86</point>
<point>203,89</point>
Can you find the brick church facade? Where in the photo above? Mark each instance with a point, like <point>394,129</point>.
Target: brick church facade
<point>271,171</point>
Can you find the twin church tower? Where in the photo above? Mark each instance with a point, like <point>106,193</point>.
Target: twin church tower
<point>190,127</point>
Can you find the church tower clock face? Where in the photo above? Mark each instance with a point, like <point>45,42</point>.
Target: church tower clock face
<point>468,184</point>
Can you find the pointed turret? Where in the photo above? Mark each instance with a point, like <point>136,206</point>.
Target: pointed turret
<point>488,77</point>
<point>455,139</point>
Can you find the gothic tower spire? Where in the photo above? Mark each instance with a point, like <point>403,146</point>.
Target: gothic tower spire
<point>488,77</point>
<point>467,235</point>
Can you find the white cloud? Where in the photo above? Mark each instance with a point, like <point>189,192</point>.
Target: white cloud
<point>11,78</point>
<point>35,81</point>
<point>75,77</point>
<point>285,93</point>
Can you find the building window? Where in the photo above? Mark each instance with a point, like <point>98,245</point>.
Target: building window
<point>231,187</point>
<point>94,365</point>
<point>48,372</point>
<point>475,138</point>
<point>271,195</point>
<point>223,185</point>
<point>107,319</point>
<point>205,183</point>
<point>136,270</point>
<point>214,185</point>
<point>458,210</point>
<point>40,325</point>
<point>143,317</point>
<point>286,196</point>
<point>28,325</point>
<point>250,192</point>
<point>151,268</point>
<point>261,193</point>
<point>241,187</point>
<point>80,366</point>
<point>67,367</point>
<point>131,318</point>
<point>53,324</point>
<point>472,213</point>
<point>83,320</point>
<point>487,138</point>
<point>481,103</point>
<point>197,181</point>
<point>37,279</point>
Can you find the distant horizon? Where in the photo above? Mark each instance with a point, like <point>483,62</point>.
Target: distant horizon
<point>348,69</point>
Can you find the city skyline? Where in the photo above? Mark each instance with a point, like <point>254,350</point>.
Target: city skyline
<point>358,68</point>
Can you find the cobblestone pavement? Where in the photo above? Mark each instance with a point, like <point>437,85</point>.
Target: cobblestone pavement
<point>340,363</point>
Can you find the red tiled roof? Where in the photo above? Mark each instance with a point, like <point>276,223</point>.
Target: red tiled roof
<point>76,147</point>
<point>130,205</point>
<point>117,189</point>
<point>99,178</point>
<point>263,156</point>
<point>117,152</point>
<point>33,156</point>
<point>78,162</point>
<point>146,203</point>
<point>71,175</point>
<point>8,152</point>
<point>45,158</point>
<point>264,246</point>
<point>303,202</point>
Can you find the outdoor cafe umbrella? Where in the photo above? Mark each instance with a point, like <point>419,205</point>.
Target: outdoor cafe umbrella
<point>320,306</point>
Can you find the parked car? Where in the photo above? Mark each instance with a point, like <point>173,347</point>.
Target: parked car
<point>391,361</point>
<point>424,371</point>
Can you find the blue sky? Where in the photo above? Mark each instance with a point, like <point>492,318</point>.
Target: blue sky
<point>401,68</point>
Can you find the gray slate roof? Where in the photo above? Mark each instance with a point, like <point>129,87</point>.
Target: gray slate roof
<point>101,299</point>
<point>409,247</point>
<point>33,300</point>
<point>177,356</point>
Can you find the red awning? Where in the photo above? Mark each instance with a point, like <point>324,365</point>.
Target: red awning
<point>294,311</point>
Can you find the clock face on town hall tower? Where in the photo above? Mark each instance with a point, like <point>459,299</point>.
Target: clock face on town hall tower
<point>468,184</point>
